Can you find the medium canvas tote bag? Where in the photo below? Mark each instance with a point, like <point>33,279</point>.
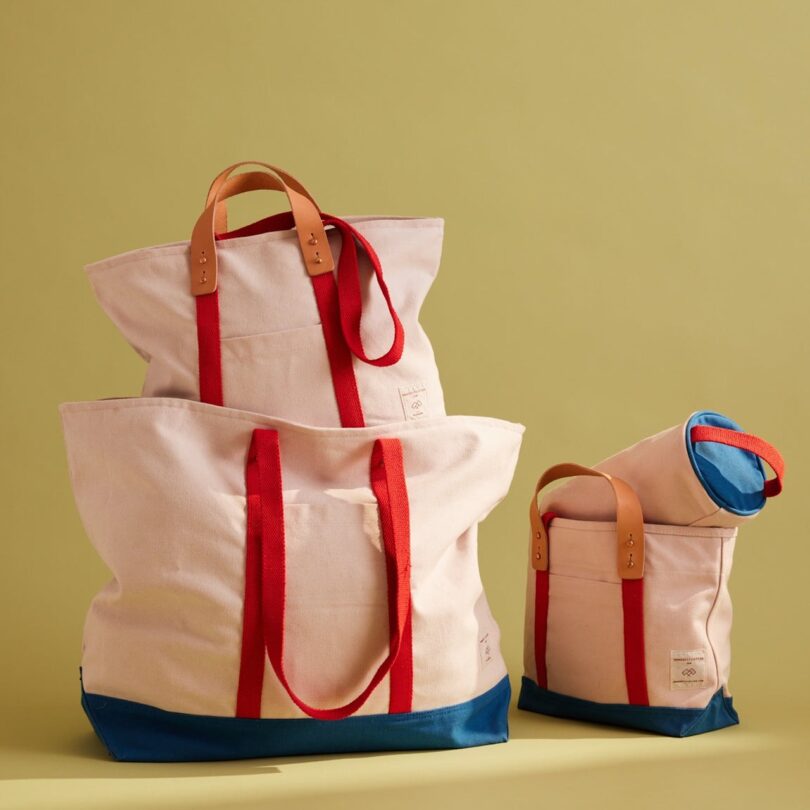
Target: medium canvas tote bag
<point>628,622</point>
<point>280,586</point>
<point>256,319</point>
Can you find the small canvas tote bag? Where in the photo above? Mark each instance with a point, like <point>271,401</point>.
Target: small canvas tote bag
<point>628,622</point>
<point>289,516</point>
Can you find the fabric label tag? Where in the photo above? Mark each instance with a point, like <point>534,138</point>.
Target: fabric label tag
<point>484,650</point>
<point>687,669</point>
<point>414,401</point>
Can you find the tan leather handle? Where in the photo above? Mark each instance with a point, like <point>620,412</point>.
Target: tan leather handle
<point>306,214</point>
<point>629,521</point>
<point>241,184</point>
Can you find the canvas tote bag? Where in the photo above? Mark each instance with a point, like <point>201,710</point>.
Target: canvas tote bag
<point>263,317</point>
<point>284,587</point>
<point>628,622</point>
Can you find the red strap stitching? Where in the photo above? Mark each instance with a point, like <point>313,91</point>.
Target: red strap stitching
<point>746,441</point>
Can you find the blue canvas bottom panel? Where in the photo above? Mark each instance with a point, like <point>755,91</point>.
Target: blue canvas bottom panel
<point>671,721</point>
<point>135,732</point>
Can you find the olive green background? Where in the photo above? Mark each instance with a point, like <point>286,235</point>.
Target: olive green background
<point>626,188</point>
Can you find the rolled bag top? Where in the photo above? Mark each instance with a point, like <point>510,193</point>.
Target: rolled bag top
<point>686,475</point>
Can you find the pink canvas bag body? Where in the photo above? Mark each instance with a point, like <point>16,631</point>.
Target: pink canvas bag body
<point>276,317</point>
<point>281,586</point>
<point>628,613</point>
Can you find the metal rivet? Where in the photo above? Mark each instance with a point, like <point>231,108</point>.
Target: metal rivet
<point>538,535</point>
<point>630,563</point>
<point>631,542</point>
<point>312,239</point>
<point>537,555</point>
<point>318,259</point>
<point>203,260</point>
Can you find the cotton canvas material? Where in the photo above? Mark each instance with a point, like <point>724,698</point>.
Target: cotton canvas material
<point>274,359</point>
<point>687,606</point>
<point>159,483</point>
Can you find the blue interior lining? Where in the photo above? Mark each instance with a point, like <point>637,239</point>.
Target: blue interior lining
<point>733,478</point>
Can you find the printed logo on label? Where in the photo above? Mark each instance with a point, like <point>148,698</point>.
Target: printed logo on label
<point>484,649</point>
<point>414,401</point>
<point>687,669</point>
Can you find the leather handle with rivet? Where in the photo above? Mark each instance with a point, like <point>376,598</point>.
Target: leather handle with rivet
<point>307,217</point>
<point>629,521</point>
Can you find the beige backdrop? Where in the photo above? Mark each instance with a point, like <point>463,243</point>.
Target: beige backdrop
<point>626,189</point>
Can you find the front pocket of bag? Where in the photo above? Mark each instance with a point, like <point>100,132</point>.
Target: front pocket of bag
<point>336,617</point>
<point>585,652</point>
<point>284,374</point>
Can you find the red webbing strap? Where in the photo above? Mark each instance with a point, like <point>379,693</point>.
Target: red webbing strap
<point>266,522</point>
<point>208,348</point>
<point>746,441</point>
<point>344,381</point>
<point>351,301</point>
<point>635,668</point>
<point>389,488</point>
<point>251,670</point>
<point>541,583</point>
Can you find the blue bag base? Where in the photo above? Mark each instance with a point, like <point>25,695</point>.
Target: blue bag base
<point>135,732</point>
<point>673,722</point>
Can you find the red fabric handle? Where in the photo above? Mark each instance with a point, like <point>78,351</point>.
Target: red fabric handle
<point>746,441</point>
<point>351,302</point>
<point>388,483</point>
<point>348,280</point>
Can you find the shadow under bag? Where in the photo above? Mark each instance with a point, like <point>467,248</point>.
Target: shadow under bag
<point>289,516</point>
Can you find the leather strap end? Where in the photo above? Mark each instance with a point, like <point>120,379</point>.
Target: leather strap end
<point>539,539</point>
<point>315,248</point>
<point>203,259</point>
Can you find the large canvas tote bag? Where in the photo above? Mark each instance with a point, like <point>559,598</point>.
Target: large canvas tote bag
<point>627,622</point>
<point>256,319</point>
<point>289,517</point>
<point>270,577</point>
